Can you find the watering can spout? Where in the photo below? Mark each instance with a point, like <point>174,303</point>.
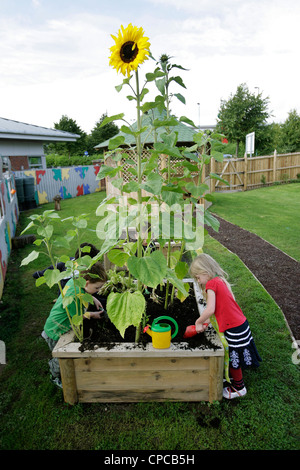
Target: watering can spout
<point>147,330</point>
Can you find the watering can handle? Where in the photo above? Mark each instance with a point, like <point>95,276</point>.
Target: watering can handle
<point>170,319</point>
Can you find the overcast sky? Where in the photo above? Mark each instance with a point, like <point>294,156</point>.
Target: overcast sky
<point>54,55</point>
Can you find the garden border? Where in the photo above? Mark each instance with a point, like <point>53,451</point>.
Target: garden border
<point>256,258</point>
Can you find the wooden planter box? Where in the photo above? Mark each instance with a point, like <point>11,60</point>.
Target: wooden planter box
<point>131,373</point>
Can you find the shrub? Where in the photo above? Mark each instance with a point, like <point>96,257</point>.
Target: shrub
<point>55,160</point>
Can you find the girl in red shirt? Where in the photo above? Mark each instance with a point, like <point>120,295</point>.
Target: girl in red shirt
<point>231,321</point>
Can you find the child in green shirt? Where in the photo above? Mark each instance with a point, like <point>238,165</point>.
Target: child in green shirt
<point>58,321</point>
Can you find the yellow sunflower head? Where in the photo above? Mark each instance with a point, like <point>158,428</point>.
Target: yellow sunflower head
<point>131,49</point>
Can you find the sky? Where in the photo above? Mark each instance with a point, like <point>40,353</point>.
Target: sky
<point>54,56</point>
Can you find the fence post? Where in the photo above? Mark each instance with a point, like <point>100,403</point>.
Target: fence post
<point>212,170</point>
<point>274,165</point>
<point>245,172</point>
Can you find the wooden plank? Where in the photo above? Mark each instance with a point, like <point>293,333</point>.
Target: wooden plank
<point>216,379</point>
<point>133,380</point>
<point>274,166</point>
<point>245,172</point>
<point>143,395</point>
<point>235,172</point>
<point>129,350</point>
<point>222,172</point>
<point>116,364</point>
<point>68,380</point>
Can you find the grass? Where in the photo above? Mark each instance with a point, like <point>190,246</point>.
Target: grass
<point>33,415</point>
<point>272,213</point>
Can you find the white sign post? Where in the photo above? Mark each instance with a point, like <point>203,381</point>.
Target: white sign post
<point>250,139</point>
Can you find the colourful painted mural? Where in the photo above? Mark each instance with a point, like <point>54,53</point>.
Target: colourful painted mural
<point>9,216</point>
<point>66,182</point>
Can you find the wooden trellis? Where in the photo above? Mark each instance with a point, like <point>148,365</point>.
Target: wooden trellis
<point>128,176</point>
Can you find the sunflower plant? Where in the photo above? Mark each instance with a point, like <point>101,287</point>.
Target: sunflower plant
<point>148,268</point>
<point>47,243</point>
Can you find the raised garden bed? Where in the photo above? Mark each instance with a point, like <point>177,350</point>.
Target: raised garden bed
<point>118,370</point>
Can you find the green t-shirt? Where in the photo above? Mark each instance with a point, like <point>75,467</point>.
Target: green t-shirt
<point>58,322</point>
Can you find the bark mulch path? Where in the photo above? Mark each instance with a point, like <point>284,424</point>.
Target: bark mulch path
<point>276,271</point>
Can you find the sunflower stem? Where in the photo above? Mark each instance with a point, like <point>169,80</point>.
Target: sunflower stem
<point>139,174</point>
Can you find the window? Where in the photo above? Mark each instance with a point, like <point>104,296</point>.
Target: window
<point>35,162</point>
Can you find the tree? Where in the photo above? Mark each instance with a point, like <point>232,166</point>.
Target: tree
<point>241,114</point>
<point>100,134</point>
<point>290,132</point>
<point>69,148</point>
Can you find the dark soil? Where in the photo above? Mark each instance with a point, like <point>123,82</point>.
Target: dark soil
<point>104,333</point>
<point>276,271</point>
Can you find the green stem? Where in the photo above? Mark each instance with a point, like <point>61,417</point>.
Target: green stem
<point>139,160</point>
<point>169,180</point>
<point>139,174</point>
<point>180,256</point>
<point>78,334</point>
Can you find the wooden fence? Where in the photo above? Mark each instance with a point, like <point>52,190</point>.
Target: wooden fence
<point>242,174</point>
<point>245,173</point>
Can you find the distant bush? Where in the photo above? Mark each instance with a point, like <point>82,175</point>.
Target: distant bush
<point>55,160</point>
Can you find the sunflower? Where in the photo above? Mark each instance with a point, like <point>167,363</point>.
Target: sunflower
<point>131,49</point>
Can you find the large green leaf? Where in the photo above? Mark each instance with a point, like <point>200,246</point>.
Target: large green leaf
<point>197,190</point>
<point>106,170</point>
<point>217,177</point>
<point>187,121</point>
<point>181,269</point>
<point>178,283</point>
<point>125,309</point>
<point>61,242</point>
<point>211,221</point>
<point>115,142</point>
<point>171,194</point>
<point>45,232</point>
<point>118,257</point>
<point>130,187</point>
<point>109,119</point>
<point>153,183</point>
<point>53,276</point>
<point>31,224</point>
<point>31,257</point>
<point>150,270</point>
<point>165,149</point>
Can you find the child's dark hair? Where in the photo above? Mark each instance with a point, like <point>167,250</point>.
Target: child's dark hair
<point>98,273</point>
<point>93,250</point>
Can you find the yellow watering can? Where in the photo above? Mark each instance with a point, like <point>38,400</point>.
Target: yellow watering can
<point>161,332</point>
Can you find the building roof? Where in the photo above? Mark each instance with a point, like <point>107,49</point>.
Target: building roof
<point>185,134</point>
<point>19,130</point>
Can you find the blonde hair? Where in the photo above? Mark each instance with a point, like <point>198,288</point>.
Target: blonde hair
<point>205,264</point>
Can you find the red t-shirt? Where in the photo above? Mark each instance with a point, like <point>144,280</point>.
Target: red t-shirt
<point>228,313</point>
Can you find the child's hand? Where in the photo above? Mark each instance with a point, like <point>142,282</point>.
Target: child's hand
<point>98,304</point>
<point>96,315</point>
<point>200,327</point>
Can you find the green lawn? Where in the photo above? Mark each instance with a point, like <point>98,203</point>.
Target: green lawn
<point>273,213</point>
<point>34,416</point>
